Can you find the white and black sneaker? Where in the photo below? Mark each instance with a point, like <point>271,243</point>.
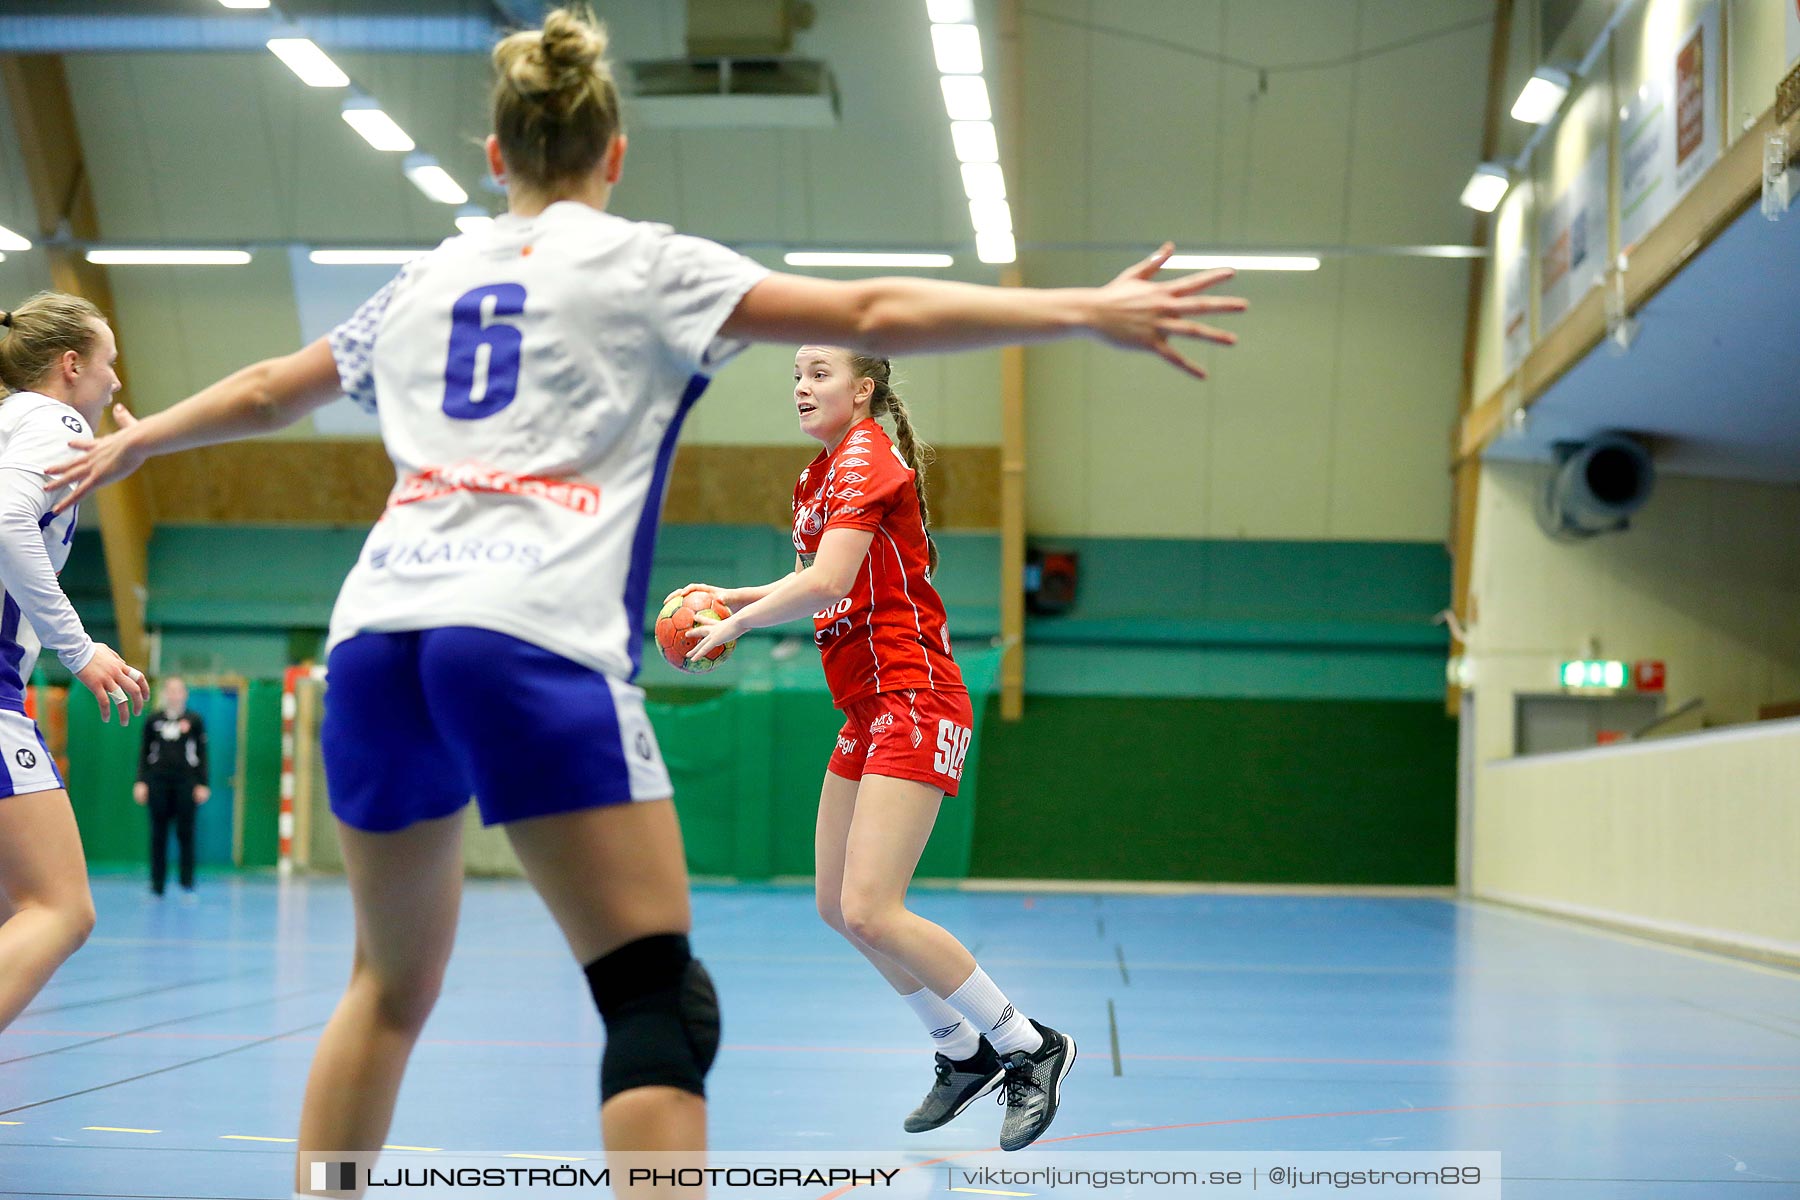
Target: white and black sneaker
<point>959,1084</point>
<point>1033,1087</point>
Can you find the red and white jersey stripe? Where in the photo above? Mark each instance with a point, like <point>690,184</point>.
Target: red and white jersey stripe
<point>890,633</point>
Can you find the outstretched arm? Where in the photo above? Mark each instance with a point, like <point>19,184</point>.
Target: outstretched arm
<point>899,315</point>
<point>261,398</point>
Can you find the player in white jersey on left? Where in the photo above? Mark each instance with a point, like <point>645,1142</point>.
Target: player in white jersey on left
<point>57,360</point>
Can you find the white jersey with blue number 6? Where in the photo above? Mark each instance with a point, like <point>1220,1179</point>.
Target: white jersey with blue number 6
<point>530,382</point>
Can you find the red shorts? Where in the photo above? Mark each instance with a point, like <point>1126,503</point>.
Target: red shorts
<point>922,736</point>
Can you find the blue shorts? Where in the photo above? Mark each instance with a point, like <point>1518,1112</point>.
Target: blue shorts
<point>418,722</point>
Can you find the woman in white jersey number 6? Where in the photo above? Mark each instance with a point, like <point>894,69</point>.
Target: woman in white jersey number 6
<point>530,382</point>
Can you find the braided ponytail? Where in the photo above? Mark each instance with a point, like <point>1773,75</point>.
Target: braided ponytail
<point>915,450</point>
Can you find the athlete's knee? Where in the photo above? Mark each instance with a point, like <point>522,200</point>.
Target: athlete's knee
<point>69,920</point>
<point>79,922</point>
<point>831,911</point>
<point>403,999</point>
<point>872,922</point>
<point>661,1016</point>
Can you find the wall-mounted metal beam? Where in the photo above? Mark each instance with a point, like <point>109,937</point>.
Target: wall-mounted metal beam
<point>244,32</point>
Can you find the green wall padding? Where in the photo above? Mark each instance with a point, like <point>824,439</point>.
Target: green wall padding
<point>1222,791</point>
<point>747,765</point>
<point>262,774</point>
<point>103,766</point>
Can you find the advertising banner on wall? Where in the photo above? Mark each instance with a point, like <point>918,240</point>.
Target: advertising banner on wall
<point>1669,129</point>
<point>1572,241</point>
<point>1515,308</point>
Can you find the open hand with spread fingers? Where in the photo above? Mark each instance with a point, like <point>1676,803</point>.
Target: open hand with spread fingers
<point>1138,312</point>
<point>99,462</point>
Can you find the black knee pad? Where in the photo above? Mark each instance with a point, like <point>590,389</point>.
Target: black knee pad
<point>661,1016</point>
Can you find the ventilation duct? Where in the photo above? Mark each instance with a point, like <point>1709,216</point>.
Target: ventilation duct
<point>1596,487</point>
<point>738,73</point>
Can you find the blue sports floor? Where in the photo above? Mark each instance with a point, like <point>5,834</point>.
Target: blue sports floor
<point>1601,1067</point>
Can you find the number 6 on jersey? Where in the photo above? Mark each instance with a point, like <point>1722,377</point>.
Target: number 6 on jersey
<point>468,337</point>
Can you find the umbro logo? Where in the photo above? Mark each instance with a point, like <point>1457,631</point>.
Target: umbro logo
<point>1006,1016</point>
<point>946,1031</point>
<point>26,759</point>
<point>854,462</point>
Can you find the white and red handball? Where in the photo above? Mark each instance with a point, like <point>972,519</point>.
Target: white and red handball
<point>682,613</point>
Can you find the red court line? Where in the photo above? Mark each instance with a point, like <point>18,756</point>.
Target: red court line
<point>1365,1112</point>
<point>751,1048</point>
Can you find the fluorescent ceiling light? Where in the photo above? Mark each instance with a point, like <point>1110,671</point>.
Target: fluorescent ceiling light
<point>966,98</point>
<point>364,258</point>
<point>376,127</point>
<point>833,258</point>
<point>958,49</point>
<point>12,241</point>
<point>434,181</point>
<point>990,216</point>
<point>168,258</point>
<point>984,181</point>
<point>996,247</point>
<point>975,141</point>
<point>1485,187</point>
<point>473,218</point>
<point>1542,96</point>
<point>245,3</point>
<point>950,12</point>
<point>304,58</point>
<point>1242,262</point>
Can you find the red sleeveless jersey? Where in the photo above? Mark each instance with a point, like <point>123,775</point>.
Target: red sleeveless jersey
<point>890,632</point>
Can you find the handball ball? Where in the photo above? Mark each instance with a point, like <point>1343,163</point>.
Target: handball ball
<point>680,614</point>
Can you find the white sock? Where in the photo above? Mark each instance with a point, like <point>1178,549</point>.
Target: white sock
<point>1003,1025</point>
<point>951,1035</point>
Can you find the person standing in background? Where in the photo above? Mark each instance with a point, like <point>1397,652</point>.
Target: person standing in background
<point>171,781</point>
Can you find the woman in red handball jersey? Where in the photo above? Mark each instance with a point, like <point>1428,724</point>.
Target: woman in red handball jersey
<point>861,534</point>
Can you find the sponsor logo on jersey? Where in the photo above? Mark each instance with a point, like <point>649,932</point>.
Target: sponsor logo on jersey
<point>810,520</point>
<point>456,552</point>
<point>642,744</point>
<point>849,493</point>
<point>73,423</point>
<point>855,477</point>
<point>846,745</point>
<point>884,721</point>
<point>573,494</point>
<point>837,628</point>
<point>26,759</point>
<point>854,462</point>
